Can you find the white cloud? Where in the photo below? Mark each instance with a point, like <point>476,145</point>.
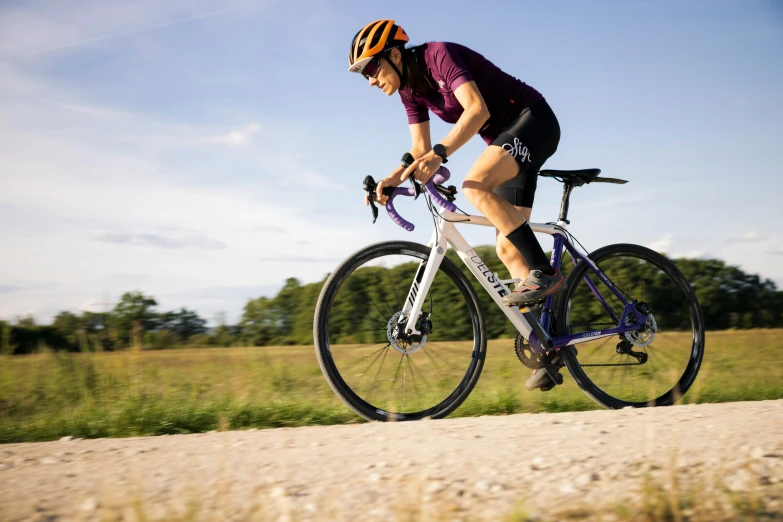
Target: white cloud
<point>298,259</point>
<point>662,245</point>
<point>691,254</point>
<point>158,241</point>
<point>235,138</point>
<point>47,26</point>
<point>270,228</point>
<point>747,237</point>
<point>69,166</point>
<point>776,251</point>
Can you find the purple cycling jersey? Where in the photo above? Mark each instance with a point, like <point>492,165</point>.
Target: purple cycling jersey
<point>450,65</point>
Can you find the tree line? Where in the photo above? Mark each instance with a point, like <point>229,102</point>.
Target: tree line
<point>729,297</point>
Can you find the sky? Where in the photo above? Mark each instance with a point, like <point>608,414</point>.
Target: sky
<point>204,151</point>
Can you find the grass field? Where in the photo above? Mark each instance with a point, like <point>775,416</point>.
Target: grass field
<point>47,396</point>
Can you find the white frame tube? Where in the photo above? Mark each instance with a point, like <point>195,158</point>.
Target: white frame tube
<point>447,234</point>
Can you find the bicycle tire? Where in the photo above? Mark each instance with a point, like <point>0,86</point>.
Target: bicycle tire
<point>324,351</point>
<point>572,356</point>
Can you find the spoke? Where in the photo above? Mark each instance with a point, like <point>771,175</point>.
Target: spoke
<point>662,355</point>
<point>404,380</point>
<point>367,296</point>
<point>371,330</point>
<point>414,367</point>
<point>391,312</point>
<point>377,374</point>
<point>434,353</point>
<point>364,359</point>
<point>357,348</point>
<point>378,353</point>
<point>397,372</point>
<point>380,324</point>
<point>432,359</point>
<point>413,378</point>
<point>394,290</point>
<point>595,350</point>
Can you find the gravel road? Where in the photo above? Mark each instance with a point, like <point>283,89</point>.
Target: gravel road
<point>537,466</point>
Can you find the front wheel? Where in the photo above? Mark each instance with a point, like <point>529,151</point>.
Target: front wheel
<point>370,362</point>
<point>652,366</point>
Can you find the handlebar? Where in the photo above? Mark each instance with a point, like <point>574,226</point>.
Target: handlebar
<point>440,177</point>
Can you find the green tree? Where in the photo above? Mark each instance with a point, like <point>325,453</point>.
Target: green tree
<point>183,324</point>
<point>7,347</point>
<point>68,325</point>
<point>134,315</point>
<point>259,323</point>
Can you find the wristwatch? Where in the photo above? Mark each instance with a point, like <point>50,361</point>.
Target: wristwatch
<point>440,150</point>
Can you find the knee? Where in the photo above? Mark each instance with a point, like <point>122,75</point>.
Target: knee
<point>474,191</point>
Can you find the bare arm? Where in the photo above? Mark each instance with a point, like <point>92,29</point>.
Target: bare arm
<point>474,116</point>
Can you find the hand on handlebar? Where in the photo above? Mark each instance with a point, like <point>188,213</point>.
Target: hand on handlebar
<point>380,197</point>
<point>427,166</point>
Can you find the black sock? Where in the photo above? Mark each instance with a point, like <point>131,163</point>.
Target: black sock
<point>525,240</point>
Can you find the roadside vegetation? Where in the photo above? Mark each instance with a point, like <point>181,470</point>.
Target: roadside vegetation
<point>50,395</point>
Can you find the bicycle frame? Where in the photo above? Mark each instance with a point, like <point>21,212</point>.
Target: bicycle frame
<point>446,234</point>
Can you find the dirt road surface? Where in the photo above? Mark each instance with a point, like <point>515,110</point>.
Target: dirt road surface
<point>532,466</point>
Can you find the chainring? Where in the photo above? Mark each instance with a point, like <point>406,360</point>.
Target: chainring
<point>526,355</point>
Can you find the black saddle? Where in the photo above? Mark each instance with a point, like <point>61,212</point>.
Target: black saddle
<point>579,177</point>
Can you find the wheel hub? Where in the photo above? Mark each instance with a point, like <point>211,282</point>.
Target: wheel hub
<point>644,336</point>
<point>403,343</point>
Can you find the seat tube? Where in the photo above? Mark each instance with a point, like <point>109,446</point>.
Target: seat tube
<point>556,261</point>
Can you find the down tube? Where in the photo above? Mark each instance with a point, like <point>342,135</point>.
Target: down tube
<point>487,279</point>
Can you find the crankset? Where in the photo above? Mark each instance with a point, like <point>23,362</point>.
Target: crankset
<point>526,355</point>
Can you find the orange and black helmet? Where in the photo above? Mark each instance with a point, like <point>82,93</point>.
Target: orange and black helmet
<point>373,39</point>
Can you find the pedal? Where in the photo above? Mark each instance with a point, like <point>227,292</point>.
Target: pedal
<point>556,377</point>
<point>532,307</point>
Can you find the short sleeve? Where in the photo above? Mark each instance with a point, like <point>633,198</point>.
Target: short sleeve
<point>448,63</point>
<point>417,113</point>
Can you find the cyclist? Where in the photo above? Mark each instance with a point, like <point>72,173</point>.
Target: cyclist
<point>464,88</point>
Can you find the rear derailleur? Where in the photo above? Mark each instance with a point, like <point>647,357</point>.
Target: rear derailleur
<point>625,347</point>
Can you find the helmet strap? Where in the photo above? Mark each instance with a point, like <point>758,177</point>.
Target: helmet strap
<point>401,75</point>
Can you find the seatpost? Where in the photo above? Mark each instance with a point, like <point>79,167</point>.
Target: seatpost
<point>567,188</point>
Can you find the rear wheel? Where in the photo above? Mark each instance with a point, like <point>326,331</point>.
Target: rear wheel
<point>653,366</point>
<point>368,360</point>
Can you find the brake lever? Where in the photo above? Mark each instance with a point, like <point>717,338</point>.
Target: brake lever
<point>406,161</point>
<point>369,186</point>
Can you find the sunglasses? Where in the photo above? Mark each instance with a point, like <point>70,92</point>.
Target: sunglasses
<point>372,68</point>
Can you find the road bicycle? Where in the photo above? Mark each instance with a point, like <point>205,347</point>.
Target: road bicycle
<point>400,333</point>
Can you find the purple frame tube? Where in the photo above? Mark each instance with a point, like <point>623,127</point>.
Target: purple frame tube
<point>546,316</point>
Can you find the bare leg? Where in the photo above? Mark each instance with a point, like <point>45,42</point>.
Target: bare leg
<point>493,167</point>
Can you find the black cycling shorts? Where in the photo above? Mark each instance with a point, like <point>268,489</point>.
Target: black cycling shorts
<point>532,137</point>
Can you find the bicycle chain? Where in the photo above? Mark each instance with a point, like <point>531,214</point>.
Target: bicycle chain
<point>616,364</point>
<point>593,324</point>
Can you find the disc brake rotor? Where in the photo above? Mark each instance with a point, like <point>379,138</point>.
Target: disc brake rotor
<point>407,345</point>
<point>645,335</point>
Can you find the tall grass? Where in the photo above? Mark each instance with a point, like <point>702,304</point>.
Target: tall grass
<point>50,395</point>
